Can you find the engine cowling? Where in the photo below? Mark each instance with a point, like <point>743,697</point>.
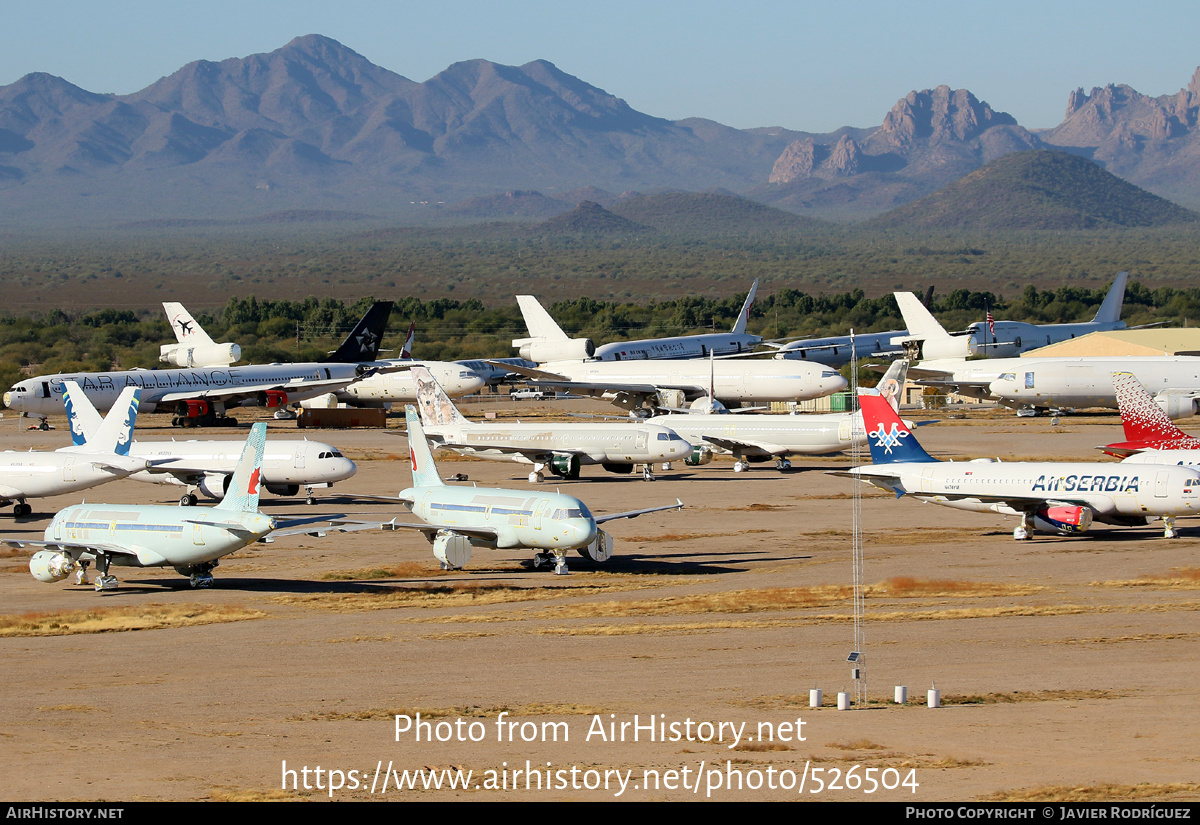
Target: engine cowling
<point>49,566</point>
<point>214,485</point>
<point>203,355</point>
<point>699,455</point>
<point>286,490</point>
<point>542,351</point>
<point>272,398</point>
<point>600,549</point>
<point>1066,520</point>
<point>1175,405</point>
<point>192,409</point>
<point>566,466</point>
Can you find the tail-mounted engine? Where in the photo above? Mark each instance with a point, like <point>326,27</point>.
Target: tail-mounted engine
<point>543,351</point>
<point>204,355</point>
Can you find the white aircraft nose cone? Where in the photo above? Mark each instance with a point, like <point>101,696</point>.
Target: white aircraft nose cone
<point>347,467</point>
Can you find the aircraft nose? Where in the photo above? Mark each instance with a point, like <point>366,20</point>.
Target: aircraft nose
<point>8,398</point>
<point>347,467</point>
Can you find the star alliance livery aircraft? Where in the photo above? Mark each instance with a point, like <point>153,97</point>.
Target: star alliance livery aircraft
<point>1054,497</point>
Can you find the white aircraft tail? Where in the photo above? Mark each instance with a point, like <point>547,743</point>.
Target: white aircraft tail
<point>739,326</point>
<point>90,432</point>
<point>921,324</point>
<point>891,386</point>
<point>424,471</point>
<point>538,321</point>
<point>1110,310</point>
<point>242,493</point>
<point>435,407</point>
<point>187,330</point>
<point>406,350</point>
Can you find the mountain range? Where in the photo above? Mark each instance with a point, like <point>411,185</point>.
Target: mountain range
<point>315,128</point>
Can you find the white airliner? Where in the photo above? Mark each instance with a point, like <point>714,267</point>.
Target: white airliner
<point>634,384</point>
<point>155,535</point>
<point>1086,381</point>
<point>25,475</point>
<point>1000,339</point>
<point>200,396</point>
<point>548,343</point>
<point>560,447</point>
<point>459,518</point>
<point>763,437</point>
<point>195,347</point>
<point>1055,497</point>
<point>206,466</point>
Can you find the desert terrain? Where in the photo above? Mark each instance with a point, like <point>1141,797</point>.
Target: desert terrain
<point>1067,668</point>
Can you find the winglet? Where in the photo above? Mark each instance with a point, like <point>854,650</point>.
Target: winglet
<point>424,471</point>
<point>891,441</point>
<point>242,493</point>
<point>1110,310</point>
<point>435,407</point>
<point>739,326</point>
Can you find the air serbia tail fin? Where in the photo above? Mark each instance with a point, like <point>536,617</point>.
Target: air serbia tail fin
<point>739,326</point>
<point>424,471</point>
<point>187,330</point>
<point>434,405</point>
<point>242,493</point>
<point>1142,417</point>
<point>890,440</point>
<point>90,433</point>
<point>362,344</point>
<point>1110,310</point>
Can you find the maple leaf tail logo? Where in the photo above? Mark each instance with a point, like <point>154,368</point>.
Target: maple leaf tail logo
<point>252,487</point>
<point>412,456</point>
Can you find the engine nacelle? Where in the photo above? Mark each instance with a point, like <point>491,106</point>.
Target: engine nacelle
<point>600,549</point>
<point>272,399</point>
<point>287,490</point>
<point>1064,520</point>
<point>214,485</point>
<point>566,466</point>
<point>622,469</point>
<point>202,355</point>
<point>1176,405</point>
<point>542,351</point>
<point>671,399</point>
<point>49,566</point>
<point>452,551</point>
<point>194,408</point>
<point>699,455</point>
<point>958,346</point>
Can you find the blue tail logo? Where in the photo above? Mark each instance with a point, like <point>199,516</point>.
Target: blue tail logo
<point>887,440</point>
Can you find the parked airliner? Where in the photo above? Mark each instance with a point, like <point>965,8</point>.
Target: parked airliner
<point>195,347</point>
<point>1147,426</point>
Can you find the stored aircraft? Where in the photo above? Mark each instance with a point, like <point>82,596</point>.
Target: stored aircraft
<point>200,396</point>
<point>560,447</point>
<point>1147,426</point>
<point>195,347</point>
<point>206,466</point>
<point>753,438</point>
<point>548,343</point>
<point>1054,497</point>
<point>456,519</point>
<point>37,475</point>
<point>156,535</point>
<point>1086,381</point>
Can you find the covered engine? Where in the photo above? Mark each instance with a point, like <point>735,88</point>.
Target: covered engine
<point>214,485</point>
<point>543,351</point>
<point>1066,520</point>
<point>50,566</point>
<point>599,549</point>
<point>700,455</point>
<point>566,466</point>
<point>200,355</point>
<point>286,490</point>
<point>452,551</point>
<point>1176,405</point>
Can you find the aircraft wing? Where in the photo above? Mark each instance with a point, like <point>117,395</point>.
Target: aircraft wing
<point>72,548</point>
<point>292,527</point>
<point>731,444</point>
<point>251,390</point>
<point>678,505</point>
<point>881,477</point>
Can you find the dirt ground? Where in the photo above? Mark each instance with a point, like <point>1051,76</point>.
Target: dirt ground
<point>1067,668</point>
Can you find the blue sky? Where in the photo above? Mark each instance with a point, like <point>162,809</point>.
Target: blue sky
<point>807,66</point>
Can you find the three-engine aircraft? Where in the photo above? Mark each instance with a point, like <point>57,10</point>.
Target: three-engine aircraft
<point>560,447</point>
<point>195,347</point>
<point>206,466</point>
<point>157,535</point>
<point>459,518</point>
<point>548,343</point>
<point>25,475</point>
<point>1055,497</point>
<point>752,438</point>
<point>200,396</point>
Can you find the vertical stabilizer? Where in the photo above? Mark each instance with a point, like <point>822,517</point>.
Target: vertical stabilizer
<point>406,350</point>
<point>739,326</point>
<point>538,321</point>
<point>187,330</point>
<point>81,414</point>
<point>890,440</point>
<point>362,344</point>
<point>242,493</point>
<point>113,434</point>
<point>891,386</point>
<point>1110,310</point>
<point>919,320</point>
<point>424,471</point>
<point>435,407</point>
<point>1141,416</point>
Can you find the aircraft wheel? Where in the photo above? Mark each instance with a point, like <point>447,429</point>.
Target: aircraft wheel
<point>1020,534</point>
<point>106,582</point>
<point>200,580</point>
<point>187,500</point>
<point>647,473</point>
<point>741,466</point>
<point>22,509</point>
<point>45,425</point>
<point>310,501</point>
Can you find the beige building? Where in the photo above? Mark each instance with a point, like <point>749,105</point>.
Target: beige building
<point>1153,341</point>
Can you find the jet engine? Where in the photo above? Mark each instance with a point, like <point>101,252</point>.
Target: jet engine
<point>1065,520</point>
<point>49,566</point>
<point>700,455</point>
<point>194,408</point>
<point>272,398</point>
<point>566,466</point>
<point>1176,405</point>
<point>599,549</point>
<point>214,485</point>
<point>287,490</point>
<point>203,355</point>
<point>451,550</point>
<point>542,351</point>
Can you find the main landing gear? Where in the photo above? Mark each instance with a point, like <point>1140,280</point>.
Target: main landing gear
<point>1024,530</point>
<point>782,464</point>
<point>647,472</point>
<point>199,575</point>
<point>556,557</point>
<point>1169,531</point>
<point>188,500</point>
<point>22,509</point>
<point>103,580</point>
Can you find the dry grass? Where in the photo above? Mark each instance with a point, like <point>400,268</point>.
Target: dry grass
<point>734,601</point>
<point>763,747</point>
<point>659,537</point>
<point>1133,637</point>
<point>453,595</point>
<point>908,587</point>
<point>406,570</point>
<point>464,711</point>
<point>1031,696</point>
<point>1180,578</point>
<point>118,619</point>
<point>1172,791</point>
<point>857,745</point>
<point>247,795</point>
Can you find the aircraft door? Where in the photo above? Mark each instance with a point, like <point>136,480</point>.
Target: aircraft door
<point>844,429</point>
<point>641,440</point>
<point>69,470</point>
<point>1160,483</point>
<point>927,480</point>
<point>300,452</point>
<point>198,535</point>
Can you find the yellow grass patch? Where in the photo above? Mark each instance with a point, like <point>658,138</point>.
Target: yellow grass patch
<point>857,745</point>
<point>1099,793</point>
<point>405,570</point>
<point>906,586</point>
<point>1180,578</point>
<point>734,601</point>
<point>762,747</point>
<point>248,795</point>
<point>151,616</point>
<point>1030,696</point>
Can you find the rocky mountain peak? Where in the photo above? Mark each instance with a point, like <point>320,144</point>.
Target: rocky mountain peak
<point>941,114</point>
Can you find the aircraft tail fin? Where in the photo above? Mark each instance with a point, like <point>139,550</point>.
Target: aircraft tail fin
<point>435,407</point>
<point>242,493</point>
<point>362,344</point>
<point>424,471</point>
<point>1141,416</point>
<point>113,434</point>
<point>919,320</point>
<point>406,350</point>
<point>187,329</point>
<point>891,386</point>
<point>739,326</point>
<point>890,440</point>
<point>1110,310</point>
<point>538,320</point>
